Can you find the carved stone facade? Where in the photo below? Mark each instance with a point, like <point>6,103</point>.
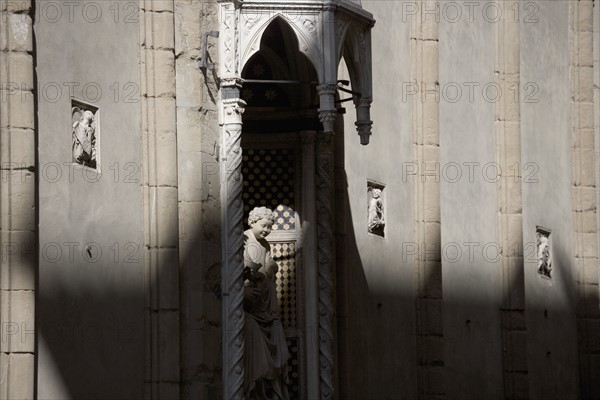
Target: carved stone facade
<point>123,213</point>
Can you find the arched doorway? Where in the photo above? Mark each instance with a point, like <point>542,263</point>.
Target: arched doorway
<point>280,123</point>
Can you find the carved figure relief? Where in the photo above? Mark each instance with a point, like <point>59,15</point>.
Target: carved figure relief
<point>84,135</point>
<point>376,220</point>
<point>544,257</point>
<point>266,352</point>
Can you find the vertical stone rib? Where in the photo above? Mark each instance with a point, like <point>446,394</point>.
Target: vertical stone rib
<point>326,263</point>
<point>232,235</point>
<point>17,201</point>
<point>584,192</point>
<point>510,218</point>
<point>426,189</point>
<point>160,192</point>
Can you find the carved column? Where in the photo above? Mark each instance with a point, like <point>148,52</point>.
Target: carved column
<point>326,263</point>
<point>327,110</point>
<point>232,234</point>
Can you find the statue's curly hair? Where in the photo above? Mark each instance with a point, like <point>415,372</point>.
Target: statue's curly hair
<point>259,213</point>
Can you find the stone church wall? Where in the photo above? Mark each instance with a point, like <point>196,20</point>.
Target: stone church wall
<point>91,276</point>
<point>376,306</point>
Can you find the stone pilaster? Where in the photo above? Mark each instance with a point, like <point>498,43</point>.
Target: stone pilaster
<point>426,189</point>
<point>584,193</point>
<point>232,235</point>
<point>17,201</point>
<point>198,132</point>
<point>510,218</point>
<point>160,187</point>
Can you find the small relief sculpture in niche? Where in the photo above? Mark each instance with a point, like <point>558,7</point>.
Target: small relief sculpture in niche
<point>544,257</point>
<point>84,136</point>
<point>376,221</point>
<point>266,352</point>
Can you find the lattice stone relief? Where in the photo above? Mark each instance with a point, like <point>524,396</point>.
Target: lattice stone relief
<point>85,124</point>
<point>544,256</point>
<point>269,181</point>
<point>375,209</point>
<point>284,255</point>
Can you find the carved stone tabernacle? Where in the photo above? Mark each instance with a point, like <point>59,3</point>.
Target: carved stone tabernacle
<point>544,258</point>
<point>376,220</point>
<point>84,134</point>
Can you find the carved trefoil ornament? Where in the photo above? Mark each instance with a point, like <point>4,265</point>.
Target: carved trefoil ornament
<point>375,211</point>
<point>84,134</point>
<point>544,255</point>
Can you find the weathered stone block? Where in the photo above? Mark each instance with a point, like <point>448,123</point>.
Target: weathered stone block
<point>18,261</point>
<point>431,349</point>
<point>589,222</point>
<point>18,109</point>
<point>586,84</point>
<point>189,225</point>
<point>586,115</point>
<point>583,198</point>
<point>430,316</point>
<point>161,5</point>
<point>18,203</point>
<point>17,6</point>
<point>188,23</point>
<point>19,37</point>
<point>19,376</point>
<point>189,130</point>
<point>162,36</point>
<point>514,203</point>
<point>168,278</point>
<point>168,336</point>
<point>515,228</point>
<point>166,216</point>
<point>21,70</point>
<point>430,62</point>
<point>18,322</point>
<point>585,52</point>
<point>164,147</point>
<point>162,80</point>
<point>588,176</point>
<point>189,85</point>
<point>590,245</point>
<point>518,354</point>
<point>590,271</point>
<point>162,114</point>
<point>585,14</point>
<point>161,223</point>
<point>17,147</point>
<point>432,201</point>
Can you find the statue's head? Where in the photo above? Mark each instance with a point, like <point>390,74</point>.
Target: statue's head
<point>376,193</point>
<point>87,116</point>
<point>261,221</point>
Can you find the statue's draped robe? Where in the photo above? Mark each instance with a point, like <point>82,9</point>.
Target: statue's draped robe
<point>266,352</point>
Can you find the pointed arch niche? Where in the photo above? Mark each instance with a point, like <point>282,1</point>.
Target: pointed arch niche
<point>278,64</point>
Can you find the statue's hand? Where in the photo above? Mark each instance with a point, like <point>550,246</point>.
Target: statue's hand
<point>252,265</point>
<point>251,292</point>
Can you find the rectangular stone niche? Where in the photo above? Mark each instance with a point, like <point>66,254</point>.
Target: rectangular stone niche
<point>544,255</point>
<point>376,208</point>
<point>85,120</point>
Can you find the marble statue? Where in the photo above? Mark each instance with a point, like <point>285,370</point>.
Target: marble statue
<point>266,351</point>
<point>376,222</point>
<point>84,140</point>
<point>543,255</point>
